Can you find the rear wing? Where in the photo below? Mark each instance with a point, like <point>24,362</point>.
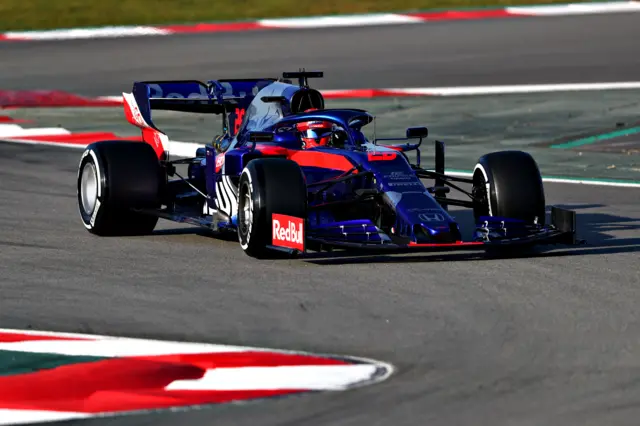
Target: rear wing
<point>189,96</point>
<point>228,97</point>
<point>185,96</point>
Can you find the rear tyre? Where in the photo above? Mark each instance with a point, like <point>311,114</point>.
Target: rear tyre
<point>509,184</point>
<point>267,186</point>
<point>115,177</point>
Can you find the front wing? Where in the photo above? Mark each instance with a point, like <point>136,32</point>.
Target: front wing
<point>561,230</point>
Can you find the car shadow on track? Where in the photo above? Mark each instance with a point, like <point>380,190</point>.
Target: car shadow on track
<point>597,230</point>
<point>201,232</point>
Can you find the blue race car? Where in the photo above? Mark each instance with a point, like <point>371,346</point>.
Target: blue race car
<point>288,175</point>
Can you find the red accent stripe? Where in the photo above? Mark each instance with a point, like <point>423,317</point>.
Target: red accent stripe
<point>7,119</point>
<point>369,93</point>
<point>212,27</point>
<point>457,244</point>
<point>242,359</point>
<point>122,384</point>
<point>451,15</point>
<point>271,149</point>
<point>394,147</point>
<point>355,93</point>
<point>152,137</point>
<point>322,160</point>
<point>6,337</point>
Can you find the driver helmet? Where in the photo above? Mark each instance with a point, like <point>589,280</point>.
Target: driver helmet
<point>315,133</point>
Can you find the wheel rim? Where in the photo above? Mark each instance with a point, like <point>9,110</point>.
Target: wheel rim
<point>89,188</point>
<point>481,198</point>
<point>246,213</point>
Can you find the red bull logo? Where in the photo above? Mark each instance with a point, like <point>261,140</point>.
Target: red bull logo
<point>288,231</point>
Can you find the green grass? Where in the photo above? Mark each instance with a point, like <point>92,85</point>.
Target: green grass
<point>49,14</point>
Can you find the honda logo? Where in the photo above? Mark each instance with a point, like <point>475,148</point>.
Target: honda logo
<point>431,217</point>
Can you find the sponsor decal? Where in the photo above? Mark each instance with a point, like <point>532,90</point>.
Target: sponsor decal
<point>400,176</point>
<point>95,213</point>
<point>156,139</point>
<point>405,184</point>
<point>157,91</point>
<point>288,231</point>
<point>239,117</point>
<point>381,156</point>
<point>137,115</point>
<point>219,161</point>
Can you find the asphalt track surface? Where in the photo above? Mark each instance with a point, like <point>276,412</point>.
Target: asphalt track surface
<point>548,340</point>
<point>511,51</point>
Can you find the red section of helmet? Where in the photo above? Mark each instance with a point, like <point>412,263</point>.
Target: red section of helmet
<point>314,125</point>
<point>313,142</point>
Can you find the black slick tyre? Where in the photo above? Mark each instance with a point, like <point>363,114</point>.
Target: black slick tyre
<point>115,177</point>
<point>268,186</point>
<point>509,184</point>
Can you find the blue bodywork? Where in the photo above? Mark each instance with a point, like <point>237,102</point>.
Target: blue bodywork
<point>370,196</point>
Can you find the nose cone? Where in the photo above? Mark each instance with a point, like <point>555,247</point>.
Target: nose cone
<point>440,233</point>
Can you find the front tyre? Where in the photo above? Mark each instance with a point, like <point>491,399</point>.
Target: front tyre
<point>115,177</point>
<point>268,186</point>
<point>509,184</point>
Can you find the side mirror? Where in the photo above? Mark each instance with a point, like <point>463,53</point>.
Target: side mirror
<point>270,99</point>
<point>417,132</point>
<point>260,136</point>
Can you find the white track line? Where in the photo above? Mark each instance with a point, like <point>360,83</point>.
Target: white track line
<point>311,377</point>
<point>340,21</point>
<point>513,89</point>
<point>115,347</point>
<point>86,33</point>
<point>575,9</point>
<point>15,130</point>
<point>21,417</point>
<point>578,181</point>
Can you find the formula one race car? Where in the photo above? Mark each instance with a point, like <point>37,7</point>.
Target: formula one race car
<point>289,175</point>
